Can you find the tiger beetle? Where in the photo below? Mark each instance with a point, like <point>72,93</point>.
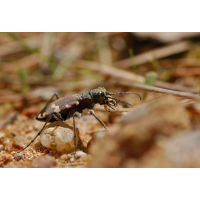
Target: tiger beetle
<point>72,106</point>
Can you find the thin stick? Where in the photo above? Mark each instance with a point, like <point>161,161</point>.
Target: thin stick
<point>160,90</point>
<point>122,74</point>
<point>157,53</point>
<point>179,63</point>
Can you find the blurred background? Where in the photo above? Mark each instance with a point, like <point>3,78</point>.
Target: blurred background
<point>33,66</point>
<point>42,63</point>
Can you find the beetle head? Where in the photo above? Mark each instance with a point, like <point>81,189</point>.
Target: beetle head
<point>101,96</point>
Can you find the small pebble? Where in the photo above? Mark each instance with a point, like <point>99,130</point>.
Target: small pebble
<point>59,138</point>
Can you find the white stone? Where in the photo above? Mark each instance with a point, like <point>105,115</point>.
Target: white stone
<point>60,138</point>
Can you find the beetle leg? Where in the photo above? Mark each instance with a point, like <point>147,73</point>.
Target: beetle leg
<point>58,116</point>
<point>76,114</point>
<point>91,112</point>
<point>50,116</point>
<point>44,109</point>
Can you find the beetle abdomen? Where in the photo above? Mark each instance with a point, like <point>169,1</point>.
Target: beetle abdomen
<point>60,105</point>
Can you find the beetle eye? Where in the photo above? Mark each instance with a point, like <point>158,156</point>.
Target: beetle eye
<point>101,94</point>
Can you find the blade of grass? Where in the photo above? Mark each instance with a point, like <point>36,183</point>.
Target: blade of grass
<point>23,78</point>
<point>150,78</point>
<point>21,42</point>
<point>48,42</point>
<point>134,67</point>
<point>71,53</point>
<point>155,64</point>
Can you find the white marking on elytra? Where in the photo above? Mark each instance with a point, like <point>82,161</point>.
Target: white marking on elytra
<point>68,106</point>
<point>57,109</point>
<point>41,115</point>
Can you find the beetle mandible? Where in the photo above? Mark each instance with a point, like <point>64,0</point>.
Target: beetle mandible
<point>73,105</point>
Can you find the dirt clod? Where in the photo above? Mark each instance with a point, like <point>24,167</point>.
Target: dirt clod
<point>139,131</point>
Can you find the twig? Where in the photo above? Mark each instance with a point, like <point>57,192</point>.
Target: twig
<point>118,73</point>
<point>171,86</point>
<point>157,53</point>
<point>183,62</point>
<point>160,90</point>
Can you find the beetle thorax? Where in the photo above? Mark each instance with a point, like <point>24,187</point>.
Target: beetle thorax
<point>86,100</point>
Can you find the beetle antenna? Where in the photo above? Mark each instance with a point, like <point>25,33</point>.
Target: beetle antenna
<point>125,93</point>
<point>120,100</point>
